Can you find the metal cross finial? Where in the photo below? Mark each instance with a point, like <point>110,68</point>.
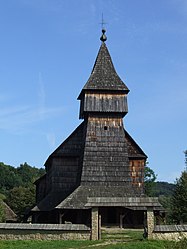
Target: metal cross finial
<point>102,22</point>
<point>103,37</point>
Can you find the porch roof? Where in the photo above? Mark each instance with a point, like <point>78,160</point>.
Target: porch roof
<point>134,203</point>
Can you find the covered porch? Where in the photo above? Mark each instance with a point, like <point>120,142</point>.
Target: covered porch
<point>126,212</point>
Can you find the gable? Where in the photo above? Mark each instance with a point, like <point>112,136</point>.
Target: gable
<point>72,146</point>
<point>134,151</point>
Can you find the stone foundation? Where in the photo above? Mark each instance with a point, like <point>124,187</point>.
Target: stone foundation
<point>44,232</point>
<point>170,232</point>
<point>169,235</point>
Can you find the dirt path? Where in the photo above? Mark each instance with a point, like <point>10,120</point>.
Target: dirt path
<point>105,243</point>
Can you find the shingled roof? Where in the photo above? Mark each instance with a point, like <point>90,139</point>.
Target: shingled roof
<point>84,197</point>
<point>79,198</point>
<point>104,76</point>
<point>93,162</point>
<point>134,150</point>
<point>71,146</point>
<point>9,213</point>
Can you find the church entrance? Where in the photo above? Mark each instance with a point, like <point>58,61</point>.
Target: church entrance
<point>109,216</point>
<point>121,217</point>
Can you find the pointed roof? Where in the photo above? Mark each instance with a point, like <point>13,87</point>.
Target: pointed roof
<point>103,75</point>
<point>9,213</point>
<point>134,150</point>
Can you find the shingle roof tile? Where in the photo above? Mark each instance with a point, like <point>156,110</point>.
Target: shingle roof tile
<point>104,76</point>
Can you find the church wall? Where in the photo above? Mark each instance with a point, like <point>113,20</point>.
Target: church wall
<point>64,173</point>
<point>96,155</point>
<point>99,102</point>
<point>49,179</point>
<point>40,189</point>
<point>137,172</point>
<point>105,154</point>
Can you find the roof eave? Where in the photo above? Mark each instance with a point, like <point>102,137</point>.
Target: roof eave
<point>125,91</point>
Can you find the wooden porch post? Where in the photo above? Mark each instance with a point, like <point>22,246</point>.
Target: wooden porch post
<point>121,220</point>
<point>99,227</point>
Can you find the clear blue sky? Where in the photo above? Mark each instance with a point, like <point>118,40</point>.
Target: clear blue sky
<point>47,51</point>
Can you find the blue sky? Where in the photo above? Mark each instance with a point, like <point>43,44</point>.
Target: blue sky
<point>47,51</point>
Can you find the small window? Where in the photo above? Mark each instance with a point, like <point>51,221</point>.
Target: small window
<point>105,128</point>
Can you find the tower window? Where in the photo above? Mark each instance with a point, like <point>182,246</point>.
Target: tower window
<point>105,128</point>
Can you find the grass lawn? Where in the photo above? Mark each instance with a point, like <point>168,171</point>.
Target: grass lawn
<point>120,239</point>
<point>84,244</point>
<point>44,244</point>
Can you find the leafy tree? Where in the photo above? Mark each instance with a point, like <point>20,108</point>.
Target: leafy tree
<point>165,201</point>
<point>24,175</point>
<point>149,181</point>
<point>9,178</point>
<point>17,185</point>
<point>21,199</point>
<point>179,200</point>
<point>29,174</point>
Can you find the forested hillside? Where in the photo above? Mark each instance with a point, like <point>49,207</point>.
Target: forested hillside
<point>17,188</point>
<point>163,188</point>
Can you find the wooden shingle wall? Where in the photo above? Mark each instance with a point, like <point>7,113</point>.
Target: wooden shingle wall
<point>137,172</point>
<point>64,173</point>
<point>99,159</point>
<point>105,155</point>
<point>104,103</point>
<point>64,165</point>
<point>40,189</point>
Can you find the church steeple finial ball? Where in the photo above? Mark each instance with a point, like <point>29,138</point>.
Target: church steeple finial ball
<point>103,37</point>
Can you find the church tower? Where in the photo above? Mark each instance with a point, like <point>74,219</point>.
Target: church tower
<point>103,106</point>
<point>99,165</point>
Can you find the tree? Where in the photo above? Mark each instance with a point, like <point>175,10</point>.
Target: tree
<point>163,188</point>
<point>24,175</point>
<point>179,200</point>
<point>21,199</point>
<point>149,181</point>
<point>28,174</point>
<point>17,185</point>
<point>9,178</point>
<point>185,154</point>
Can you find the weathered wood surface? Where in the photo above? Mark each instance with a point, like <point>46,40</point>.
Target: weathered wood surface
<point>124,202</point>
<point>25,226</point>
<point>170,228</point>
<point>99,158</point>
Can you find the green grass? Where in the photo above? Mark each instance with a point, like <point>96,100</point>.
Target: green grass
<point>84,245</point>
<point>44,244</point>
<point>122,235</point>
<point>116,239</point>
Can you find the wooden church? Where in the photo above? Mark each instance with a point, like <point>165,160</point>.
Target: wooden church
<point>98,171</point>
